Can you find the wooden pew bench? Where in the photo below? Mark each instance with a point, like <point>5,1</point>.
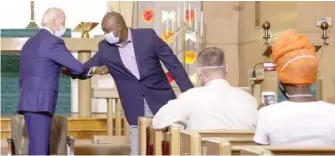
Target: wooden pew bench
<point>174,141</point>
<point>143,137</point>
<point>150,140</point>
<point>223,146</point>
<point>285,150</point>
<point>216,146</point>
<point>190,142</point>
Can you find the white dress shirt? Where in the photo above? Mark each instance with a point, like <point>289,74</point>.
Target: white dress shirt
<point>217,105</point>
<point>293,123</point>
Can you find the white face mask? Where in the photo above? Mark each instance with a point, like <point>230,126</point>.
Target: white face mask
<point>111,38</point>
<point>60,32</point>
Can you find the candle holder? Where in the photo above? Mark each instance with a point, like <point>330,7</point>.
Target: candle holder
<point>32,24</point>
<point>185,36</point>
<point>187,30</point>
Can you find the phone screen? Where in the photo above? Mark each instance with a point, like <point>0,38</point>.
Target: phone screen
<point>269,99</point>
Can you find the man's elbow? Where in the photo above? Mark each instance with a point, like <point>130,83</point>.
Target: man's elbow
<point>79,70</point>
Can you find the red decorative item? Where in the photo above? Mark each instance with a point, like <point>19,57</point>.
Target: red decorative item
<point>187,15</point>
<point>169,77</point>
<point>147,15</point>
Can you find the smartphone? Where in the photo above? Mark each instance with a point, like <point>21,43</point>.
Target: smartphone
<point>268,98</point>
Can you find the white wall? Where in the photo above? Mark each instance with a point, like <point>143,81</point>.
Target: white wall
<point>16,14</point>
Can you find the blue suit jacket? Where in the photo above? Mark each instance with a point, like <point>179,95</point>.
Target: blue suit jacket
<point>153,84</point>
<point>41,59</point>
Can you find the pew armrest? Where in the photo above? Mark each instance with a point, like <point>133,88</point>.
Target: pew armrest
<point>70,142</point>
<point>10,145</point>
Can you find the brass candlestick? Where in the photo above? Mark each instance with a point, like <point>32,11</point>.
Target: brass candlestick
<point>85,28</point>
<point>324,26</point>
<point>32,24</point>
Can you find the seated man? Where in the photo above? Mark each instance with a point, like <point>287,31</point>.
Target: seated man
<point>215,105</point>
<point>301,120</point>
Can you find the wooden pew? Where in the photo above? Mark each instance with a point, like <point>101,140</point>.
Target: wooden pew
<point>154,141</point>
<point>150,140</point>
<point>222,146</point>
<point>171,140</point>
<point>287,150</point>
<point>255,151</point>
<point>190,142</point>
<point>143,138</point>
<point>225,133</point>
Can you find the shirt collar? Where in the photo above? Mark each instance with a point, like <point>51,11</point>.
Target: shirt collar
<point>217,81</point>
<point>129,38</point>
<point>47,29</point>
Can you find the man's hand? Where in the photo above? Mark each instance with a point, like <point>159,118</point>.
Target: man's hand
<point>102,70</point>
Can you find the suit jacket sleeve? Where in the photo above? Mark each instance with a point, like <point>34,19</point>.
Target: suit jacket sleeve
<point>172,63</point>
<point>60,54</point>
<point>92,62</point>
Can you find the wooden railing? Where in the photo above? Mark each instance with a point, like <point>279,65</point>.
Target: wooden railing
<point>114,110</point>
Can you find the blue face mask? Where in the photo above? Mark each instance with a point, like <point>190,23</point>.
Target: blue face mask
<point>111,38</point>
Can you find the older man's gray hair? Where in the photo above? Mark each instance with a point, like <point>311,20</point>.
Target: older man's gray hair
<point>50,15</point>
<point>211,61</point>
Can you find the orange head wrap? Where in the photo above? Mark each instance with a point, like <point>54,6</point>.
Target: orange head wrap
<point>295,59</point>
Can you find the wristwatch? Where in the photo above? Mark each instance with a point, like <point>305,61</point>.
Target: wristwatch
<point>93,70</point>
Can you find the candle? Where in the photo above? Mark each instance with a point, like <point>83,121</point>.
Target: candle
<point>195,19</point>
<point>167,24</point>
<point>201,23</point>
<point>173,20</point>
<point>189,14</point>
<point>184,12</point>
<point>178,17</point>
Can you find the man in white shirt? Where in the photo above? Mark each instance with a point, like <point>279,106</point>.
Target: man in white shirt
<point>215,105</point>
<point>301,120</point>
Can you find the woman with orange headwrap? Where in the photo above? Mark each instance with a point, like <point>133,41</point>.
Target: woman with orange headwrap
<point>301,120</point>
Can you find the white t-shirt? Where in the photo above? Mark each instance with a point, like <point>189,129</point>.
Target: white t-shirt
<point>292,123</point>
<point>217,105</point>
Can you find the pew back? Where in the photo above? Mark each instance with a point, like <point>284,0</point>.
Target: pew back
<point>255,151</point>
<point>143,124</point>
<point>190,143</point>
<point>226,133</point>
<point>178,140</point>
<point>222,146</point>
<point>289,150</point>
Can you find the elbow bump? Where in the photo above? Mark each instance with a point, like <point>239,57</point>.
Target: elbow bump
<point>80,70</point>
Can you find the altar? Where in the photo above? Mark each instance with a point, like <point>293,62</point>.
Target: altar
<point>11,42</point>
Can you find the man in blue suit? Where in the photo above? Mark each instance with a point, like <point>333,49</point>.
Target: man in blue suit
<point>41,60</point>
<point>132,57</point>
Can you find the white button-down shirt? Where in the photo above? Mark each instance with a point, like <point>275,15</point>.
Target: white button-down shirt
<point>217,105</point>
<point>296,123</point>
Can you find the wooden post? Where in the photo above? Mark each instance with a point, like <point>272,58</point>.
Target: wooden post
<point>84,90</point>
<point>110,103</point>
<point>117,117</point>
